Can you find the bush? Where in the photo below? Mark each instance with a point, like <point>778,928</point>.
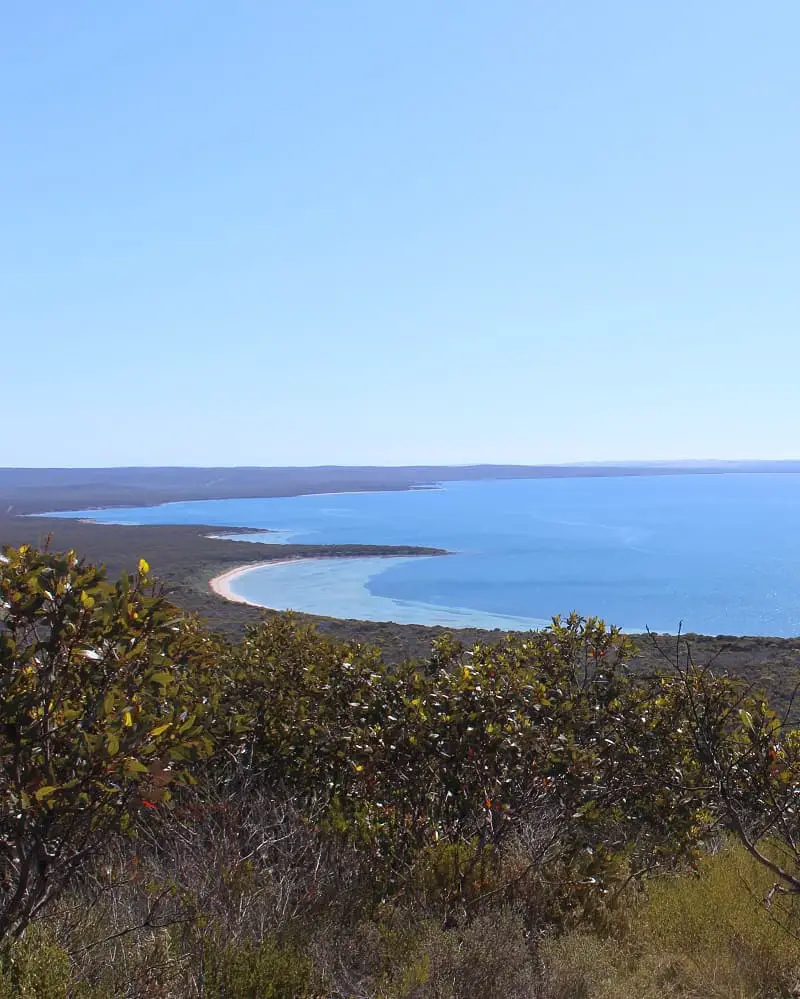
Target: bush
<point>97,716</point>
<point>358,830</point>
<point>35,968</point>
<point>262,970</point>
<point>489,959</point>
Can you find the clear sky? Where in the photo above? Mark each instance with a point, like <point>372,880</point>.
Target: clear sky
<point>363,231</point>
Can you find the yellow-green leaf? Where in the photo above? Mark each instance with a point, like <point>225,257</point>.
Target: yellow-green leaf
<point>132,766</point>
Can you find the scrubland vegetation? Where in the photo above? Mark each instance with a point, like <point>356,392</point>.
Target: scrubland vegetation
<point>286,815</point>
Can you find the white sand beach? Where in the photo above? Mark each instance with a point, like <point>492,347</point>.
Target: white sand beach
<point>339,587</point>
<point>221,585</point>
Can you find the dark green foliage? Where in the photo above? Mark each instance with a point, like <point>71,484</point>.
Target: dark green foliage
<point>475,748</point>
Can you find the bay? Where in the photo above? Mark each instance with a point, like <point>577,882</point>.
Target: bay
<point>715,554</point>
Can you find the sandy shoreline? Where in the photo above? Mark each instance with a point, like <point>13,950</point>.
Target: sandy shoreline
<point>350,597</point>
<point>221,585</point>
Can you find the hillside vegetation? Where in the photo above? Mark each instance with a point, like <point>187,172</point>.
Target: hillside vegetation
<point>287,815</point>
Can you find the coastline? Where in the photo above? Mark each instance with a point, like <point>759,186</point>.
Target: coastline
<point>350,589</point>
<point>180,544</point>
<point>221,584</point>
<point>105,508</point>
<point>47,492</point>
<point>187,557</point>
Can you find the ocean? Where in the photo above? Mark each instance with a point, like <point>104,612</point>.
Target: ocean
<point>713,554</point>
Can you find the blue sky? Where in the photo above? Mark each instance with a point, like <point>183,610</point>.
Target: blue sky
<point>300,232</point>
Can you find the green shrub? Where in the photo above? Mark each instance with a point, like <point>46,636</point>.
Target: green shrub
<point>100,715</point>
<point>34,968</point>
<point>256,971</point>
<point>449,877</point>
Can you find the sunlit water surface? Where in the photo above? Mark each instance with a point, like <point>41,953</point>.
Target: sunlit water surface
<point>719,553</point>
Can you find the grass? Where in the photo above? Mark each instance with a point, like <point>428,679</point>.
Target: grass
<point>703,935</point>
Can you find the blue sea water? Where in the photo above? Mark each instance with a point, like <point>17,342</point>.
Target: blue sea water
<point>718,553</point>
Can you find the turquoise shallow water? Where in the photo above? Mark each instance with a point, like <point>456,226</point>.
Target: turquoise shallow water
<point>719,553</point>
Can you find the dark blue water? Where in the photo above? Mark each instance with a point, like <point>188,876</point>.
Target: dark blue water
<point>719,553</point>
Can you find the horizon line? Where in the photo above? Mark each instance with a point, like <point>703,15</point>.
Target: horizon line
<point>593,463</point>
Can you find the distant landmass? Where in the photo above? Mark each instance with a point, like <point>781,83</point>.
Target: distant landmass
<point>36,490</point>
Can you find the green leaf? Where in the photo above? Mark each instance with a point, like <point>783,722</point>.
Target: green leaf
<point>132,766</point>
